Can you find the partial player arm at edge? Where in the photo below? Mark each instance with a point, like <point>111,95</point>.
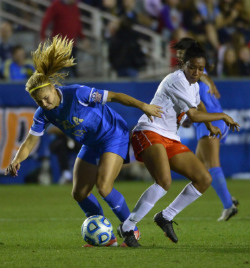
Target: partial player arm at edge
<point>149,109</point>
<point>23,152</point>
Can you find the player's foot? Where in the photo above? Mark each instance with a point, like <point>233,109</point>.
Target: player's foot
<point>129,238</point>
<point>235,201</point>
<point>166,226</point>
<point>111,243</point>
<point>136,232</point>
<point>228,213</point>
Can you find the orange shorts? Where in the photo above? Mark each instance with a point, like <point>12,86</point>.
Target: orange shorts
<point>141,140</point>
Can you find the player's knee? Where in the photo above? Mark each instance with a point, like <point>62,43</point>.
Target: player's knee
<point>164,182</point>
<point>103,188</point>
<point>79,195</point>
<point>203,180</point>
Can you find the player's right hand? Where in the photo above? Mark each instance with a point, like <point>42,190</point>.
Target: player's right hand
<point>12,169</point>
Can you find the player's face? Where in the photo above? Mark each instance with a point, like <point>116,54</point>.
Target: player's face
<point>47,97</point>
<point>193,69</point>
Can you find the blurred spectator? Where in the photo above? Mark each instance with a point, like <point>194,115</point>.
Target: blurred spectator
<point>128,10</point>
<point>125,54</point>
<point>5,41</point>
<point>17,68</point>
<point>230,63</point>
<point>171,18</point>
<point>64,15</point>
<point>193,22</point>
<point>148,13</point>
<point>232,18</point>
<point>209,11</point>
<point>113,7</point>
<point>244,61</point>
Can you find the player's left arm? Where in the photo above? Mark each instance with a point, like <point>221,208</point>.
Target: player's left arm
<point>149,109</point>
<point>212,87</point>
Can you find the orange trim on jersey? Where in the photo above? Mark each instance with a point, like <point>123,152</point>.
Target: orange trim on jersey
<point>141,140</point>
<point>180,117</point>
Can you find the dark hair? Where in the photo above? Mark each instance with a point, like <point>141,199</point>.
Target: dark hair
<point>194,51</point>
<point>184,43</point>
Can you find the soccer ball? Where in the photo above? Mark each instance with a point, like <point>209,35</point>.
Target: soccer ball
<point>97,230</point>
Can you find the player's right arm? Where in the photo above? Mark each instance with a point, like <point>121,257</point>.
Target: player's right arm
<point>23,152</point>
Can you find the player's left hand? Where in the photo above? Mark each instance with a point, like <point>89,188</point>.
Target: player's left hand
<point>214,132</point>
<point>152,110</point>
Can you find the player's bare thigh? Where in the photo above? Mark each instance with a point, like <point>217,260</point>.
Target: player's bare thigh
<point>84,179</point>
<point>188,165</point>
<point>156,160</point>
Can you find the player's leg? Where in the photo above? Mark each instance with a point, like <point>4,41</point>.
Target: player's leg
<point>188,165</point>
<point>156,161</point>
<point>84,179</point>
<point>208,150</point>
<point>108,169</point>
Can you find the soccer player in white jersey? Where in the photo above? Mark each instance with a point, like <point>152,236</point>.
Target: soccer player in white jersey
<point>208,150</point>
<point>82,114</point>
<point>158,146</point>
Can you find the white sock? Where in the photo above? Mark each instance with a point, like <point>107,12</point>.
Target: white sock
<point>143,206</point>
<point>188,195</point>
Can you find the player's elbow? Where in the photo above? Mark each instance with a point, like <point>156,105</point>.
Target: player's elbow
<point>193,115</point>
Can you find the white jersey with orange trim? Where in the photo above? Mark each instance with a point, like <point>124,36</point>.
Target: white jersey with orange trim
<point>176,96</point>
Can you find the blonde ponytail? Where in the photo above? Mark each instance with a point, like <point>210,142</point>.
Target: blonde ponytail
<point>49,58</point>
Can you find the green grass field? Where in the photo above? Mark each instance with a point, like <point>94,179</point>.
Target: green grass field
<point>40,227</point>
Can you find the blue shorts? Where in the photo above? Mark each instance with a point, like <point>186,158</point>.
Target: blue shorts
<point>117,145</point>
<point>202,131</point>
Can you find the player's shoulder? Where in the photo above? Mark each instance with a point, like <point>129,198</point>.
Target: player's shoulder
<point>175,79</point>
<point>39,113</point>
<point>70,87</point>
<point>175,76</point>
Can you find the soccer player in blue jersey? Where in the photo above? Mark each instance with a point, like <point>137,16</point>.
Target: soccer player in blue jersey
<point>208,149</point>
<point>82,114</point>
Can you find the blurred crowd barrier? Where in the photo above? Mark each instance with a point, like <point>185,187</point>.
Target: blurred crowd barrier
<point>17,109</point>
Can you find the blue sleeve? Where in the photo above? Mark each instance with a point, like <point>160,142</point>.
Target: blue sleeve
<point>40,123</point>
<point>87,95</point>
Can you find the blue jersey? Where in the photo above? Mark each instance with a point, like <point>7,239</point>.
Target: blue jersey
<point>213,106</point>
<point>211,102</point>
<point>83,116</point>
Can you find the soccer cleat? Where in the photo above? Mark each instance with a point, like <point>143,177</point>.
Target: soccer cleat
<point>166,226</point>
<point>111,243</point>
<point>235,201</point>
<point>137,234</point>
<point>228,213</point>
<point>129,238</point>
